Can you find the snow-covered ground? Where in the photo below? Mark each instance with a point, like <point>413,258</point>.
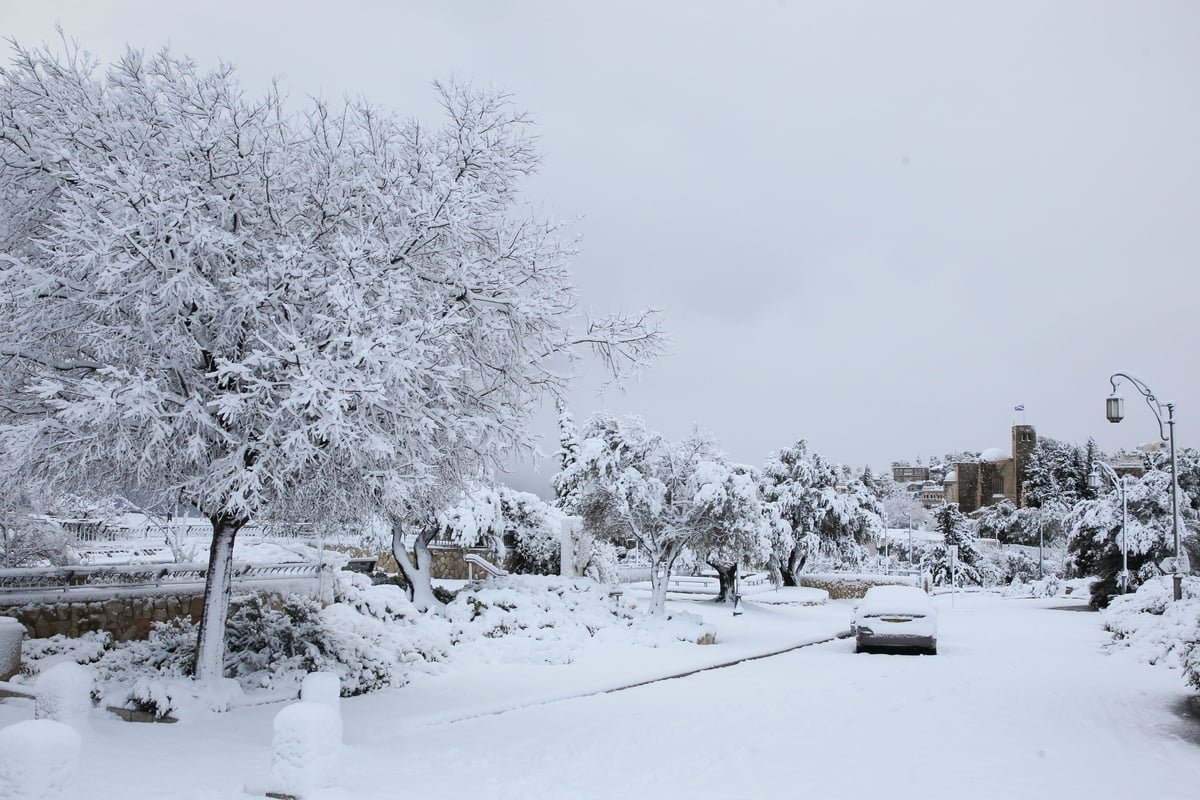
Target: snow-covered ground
<point>1023,701</point>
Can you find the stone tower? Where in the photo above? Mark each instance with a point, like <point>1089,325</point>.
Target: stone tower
<point>1024,442</point>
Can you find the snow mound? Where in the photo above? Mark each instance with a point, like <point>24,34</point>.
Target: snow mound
<point>64,693</point>
<point>38,759</point>
<point>305,748</point>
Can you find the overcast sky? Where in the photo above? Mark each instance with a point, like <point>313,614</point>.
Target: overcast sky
<point>878,226</point>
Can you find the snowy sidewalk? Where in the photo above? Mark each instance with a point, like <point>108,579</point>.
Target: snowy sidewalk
<point>472,691</point>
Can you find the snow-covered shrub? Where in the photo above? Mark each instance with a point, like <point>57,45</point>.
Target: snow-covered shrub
<point>38,759</point>
<point>87,648</point>
<point>369,639</point>
<point>516,617</point>
<point>1156,628</point>
<point>30,541</point>
<point>64,693</point>
<point>603,566</point>
<point>1009,566</point>
<point>1050,586</point>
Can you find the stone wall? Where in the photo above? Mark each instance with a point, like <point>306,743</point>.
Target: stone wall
<point>968,486</point>
<point>853,586</point>
<point>447,562</point>
<point>125,618</point>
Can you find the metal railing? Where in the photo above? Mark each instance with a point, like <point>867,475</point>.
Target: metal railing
<point>58,584</point>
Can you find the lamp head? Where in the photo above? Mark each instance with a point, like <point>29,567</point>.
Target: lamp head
<point>1094,479</point>
<point>1114,407</point>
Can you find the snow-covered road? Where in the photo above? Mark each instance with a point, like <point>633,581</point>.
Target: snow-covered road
<point>1021,703</point>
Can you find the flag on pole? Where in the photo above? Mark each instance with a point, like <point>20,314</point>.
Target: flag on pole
<point>1019,408</point>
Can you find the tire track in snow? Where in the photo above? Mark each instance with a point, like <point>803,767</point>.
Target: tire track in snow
<point>626,687</point>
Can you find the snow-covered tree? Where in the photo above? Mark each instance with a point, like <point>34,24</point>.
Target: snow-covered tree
<point>31,540</point>
<point>1095,537</point>
<point>565,481</point>
<point>1001,522</point>
<point>636,485</point>
<point>208,300</point>
<point>850,520</point>
<point>533,528</point>
<point>1058,473</point>
<point>738,527</point>
<point>798,483</point>
<point>827,524</point>
<point>970,567</point>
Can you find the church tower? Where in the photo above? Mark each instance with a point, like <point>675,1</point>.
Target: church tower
<point>1024,442</point>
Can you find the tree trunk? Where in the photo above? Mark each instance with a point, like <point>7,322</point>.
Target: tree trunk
<point>659,582</point>
<point>726,576</point>
<point>791,570</point>
<point>210,641</point>
<point>418,570</point>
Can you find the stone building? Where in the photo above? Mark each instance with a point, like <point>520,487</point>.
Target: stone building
<point>996,476</point>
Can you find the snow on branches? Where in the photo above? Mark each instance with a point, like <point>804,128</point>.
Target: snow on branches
<point>209,299</point>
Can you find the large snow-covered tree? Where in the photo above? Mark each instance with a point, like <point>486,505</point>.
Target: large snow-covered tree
<point>207,299</point>
<point>803,486</point>
<point>634,484</point>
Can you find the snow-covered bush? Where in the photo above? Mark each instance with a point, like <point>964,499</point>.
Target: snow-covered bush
<point>1009,566</point>
<point>64,693</point>
<point>371,638</point>
<point>1050,586</point>
<point>603,565</point>
<point>1156,628</point>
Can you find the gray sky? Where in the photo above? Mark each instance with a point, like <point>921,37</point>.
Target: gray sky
<point>878,226</point>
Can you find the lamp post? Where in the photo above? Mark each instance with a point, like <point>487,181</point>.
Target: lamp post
<point>1119,483</point>
<point>887,545</point>
<point>1114,409</point>
<point>908,519</point>
<point>1041,543</point>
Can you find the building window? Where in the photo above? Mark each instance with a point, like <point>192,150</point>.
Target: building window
<point>998,485</point>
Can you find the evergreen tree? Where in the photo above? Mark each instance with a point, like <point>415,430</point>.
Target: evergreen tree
<point>956,530</point>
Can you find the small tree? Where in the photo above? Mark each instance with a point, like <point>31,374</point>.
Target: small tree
<point>956,529</point>
<point>635,485</point>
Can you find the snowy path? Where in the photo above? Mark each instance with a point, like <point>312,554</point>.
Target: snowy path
<point>1020,704</point>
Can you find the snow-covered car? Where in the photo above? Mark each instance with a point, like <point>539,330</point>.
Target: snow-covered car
<point>895,617</point>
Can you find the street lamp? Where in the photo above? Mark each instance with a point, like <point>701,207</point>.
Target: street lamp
<point>908,519</point>
<point>1119,483</point>
<point>1114,409</point>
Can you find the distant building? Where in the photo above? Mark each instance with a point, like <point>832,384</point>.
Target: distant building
<point>932,494</point>
<point>903,473</point>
